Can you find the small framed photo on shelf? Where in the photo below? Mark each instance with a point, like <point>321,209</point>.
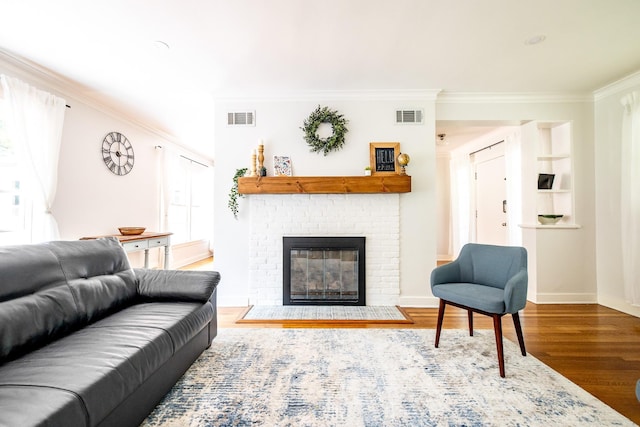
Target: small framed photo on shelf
<point>383,158</point>
<point>282,165</point>
<point>545,181</point>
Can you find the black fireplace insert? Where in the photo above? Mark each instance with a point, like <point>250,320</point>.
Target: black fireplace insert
<point>323,270</point>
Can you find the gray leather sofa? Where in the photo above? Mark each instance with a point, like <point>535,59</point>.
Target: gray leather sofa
<point>85,340</point>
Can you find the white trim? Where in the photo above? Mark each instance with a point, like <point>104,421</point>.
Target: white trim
<point>616,303</point>
<point>626,83</point>
<point>201,252</point>
<point>368,95</point>
<point>511,98</point>
<point>422,302</point>
<point>68,88</point>
<point>566,298</point>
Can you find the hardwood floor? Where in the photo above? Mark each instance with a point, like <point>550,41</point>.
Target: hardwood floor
<point>595,347</point>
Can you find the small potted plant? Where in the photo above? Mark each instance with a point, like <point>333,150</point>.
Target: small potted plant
<point>367,171</point>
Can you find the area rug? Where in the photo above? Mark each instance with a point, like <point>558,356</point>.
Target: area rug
<point>372,377</point>
<point>326,313</point>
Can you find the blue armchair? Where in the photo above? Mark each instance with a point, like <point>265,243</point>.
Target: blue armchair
<point>486,279</point>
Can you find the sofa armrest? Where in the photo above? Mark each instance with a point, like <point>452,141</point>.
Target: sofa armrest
<point>177,285</point>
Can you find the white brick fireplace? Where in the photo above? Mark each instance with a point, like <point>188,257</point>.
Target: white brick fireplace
<point>374,216</point>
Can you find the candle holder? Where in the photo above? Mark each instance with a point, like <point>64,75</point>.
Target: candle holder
<point>253,164</point>
<point>260,157</point>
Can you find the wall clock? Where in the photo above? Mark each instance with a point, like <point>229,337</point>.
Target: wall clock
<point>117,153</point>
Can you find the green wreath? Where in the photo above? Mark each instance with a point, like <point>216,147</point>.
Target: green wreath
<point>315,119</point>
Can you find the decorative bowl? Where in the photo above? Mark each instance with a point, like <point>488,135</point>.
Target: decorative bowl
<point>131,231</point>
<point>549,219</point>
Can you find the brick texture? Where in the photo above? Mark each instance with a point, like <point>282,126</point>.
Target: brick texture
<point>374,216</point>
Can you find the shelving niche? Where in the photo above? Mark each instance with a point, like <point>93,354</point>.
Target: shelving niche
<point>554,156</point>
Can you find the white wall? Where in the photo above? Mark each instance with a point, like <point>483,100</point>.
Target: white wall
<point>608,137</point>
<point>90,200</point>
<point>564,259</point>
<point>371,119</point>
<point>443,206</point>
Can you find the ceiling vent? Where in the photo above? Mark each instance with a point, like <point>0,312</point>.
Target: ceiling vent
<point>241,118</point>
<point>409,116</point>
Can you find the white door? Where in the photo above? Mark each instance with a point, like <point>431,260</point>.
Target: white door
<point>491,202</point>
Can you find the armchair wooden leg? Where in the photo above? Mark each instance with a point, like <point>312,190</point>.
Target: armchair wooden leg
<point>440,317</point>
<point>516,323</point>
<point>497,326</point>
<point>470,315</point>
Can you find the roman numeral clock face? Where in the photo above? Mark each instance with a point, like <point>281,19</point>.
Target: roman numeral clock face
<point>117,153</point>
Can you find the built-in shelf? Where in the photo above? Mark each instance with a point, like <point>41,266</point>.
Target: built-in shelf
<point>551,226</point>
<point>324,184</point>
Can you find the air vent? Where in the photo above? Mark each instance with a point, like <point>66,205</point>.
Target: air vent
<point>241,118</point>
<point>409,116</point>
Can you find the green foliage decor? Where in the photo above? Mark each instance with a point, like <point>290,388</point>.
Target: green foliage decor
<point>316,118</point>
<point>233,193</point>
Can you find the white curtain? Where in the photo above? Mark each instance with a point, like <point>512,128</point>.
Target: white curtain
<point>163,168</point>
<point>35,126</point>
<point>630,197</point>
<point>461,197</point>
<point>513,163</point>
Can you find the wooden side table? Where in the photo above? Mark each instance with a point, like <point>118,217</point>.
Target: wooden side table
<point>143,242</point>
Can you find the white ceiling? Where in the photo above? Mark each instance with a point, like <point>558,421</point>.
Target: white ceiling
<point>266,48</point>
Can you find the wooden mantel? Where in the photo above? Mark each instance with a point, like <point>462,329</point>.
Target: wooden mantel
<point>324,184</point>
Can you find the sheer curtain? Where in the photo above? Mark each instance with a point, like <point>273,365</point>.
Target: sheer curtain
<point>460,202</point>
<point>35,126</point>
<point>630,197</point>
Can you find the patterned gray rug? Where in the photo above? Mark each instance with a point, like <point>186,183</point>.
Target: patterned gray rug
<point>382,314</point>
<point>372,377</point>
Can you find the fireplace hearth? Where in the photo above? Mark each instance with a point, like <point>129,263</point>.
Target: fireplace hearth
<point>324,270</point>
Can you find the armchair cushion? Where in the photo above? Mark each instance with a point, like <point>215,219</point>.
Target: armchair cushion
<point>480,297</point>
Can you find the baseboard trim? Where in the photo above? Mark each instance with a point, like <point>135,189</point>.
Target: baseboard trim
<point>619,304</point>
<point>560,298</point>
<point>420,302</point>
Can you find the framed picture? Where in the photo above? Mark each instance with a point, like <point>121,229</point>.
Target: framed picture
<point>383,158</point>
<point>545,181</point>
<point>281,165</point>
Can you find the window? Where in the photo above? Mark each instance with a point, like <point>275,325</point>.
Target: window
<point>15,209</point>
<point>190,215</point>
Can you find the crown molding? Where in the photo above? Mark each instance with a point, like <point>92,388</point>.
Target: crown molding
<point>67,88</point>
<point>629,82</point>
<point>511,97</point>
<point>332,95</point>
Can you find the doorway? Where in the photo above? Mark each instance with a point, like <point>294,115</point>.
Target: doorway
<point>456,141</point>
<point>490,195</point>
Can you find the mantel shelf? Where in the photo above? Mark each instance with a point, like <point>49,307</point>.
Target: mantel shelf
<point>325,184</point>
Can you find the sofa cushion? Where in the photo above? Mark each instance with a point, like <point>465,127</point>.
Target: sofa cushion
<point>36,406</point>
<point>51,289</point>
<point>180,320</point>
<point>103,366</point>
<point>36,305</point>
<point>107,361</point>
<point>99,275</point>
